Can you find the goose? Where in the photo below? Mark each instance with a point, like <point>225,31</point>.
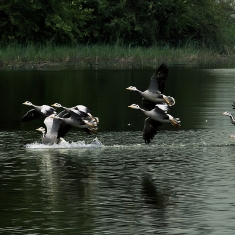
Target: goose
<point>77,121</point>
<point>37,111</point>
<point>54,132</point>
<point>157,114</point>
<point>44,138</point>
<point>231,116</point>
<point>154,94</point>
<point>80,110</point>
<point>156,117</point>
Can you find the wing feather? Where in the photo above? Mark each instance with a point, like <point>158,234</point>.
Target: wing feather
<point>150,129</point>
<point>158,80</point>
<point>30,115</point>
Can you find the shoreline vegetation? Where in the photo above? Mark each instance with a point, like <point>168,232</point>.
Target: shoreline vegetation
<point>119,34</point>
<point>58,57</point>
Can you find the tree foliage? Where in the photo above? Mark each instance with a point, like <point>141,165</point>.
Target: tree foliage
<point>43,20</point>
<point>126,22</point>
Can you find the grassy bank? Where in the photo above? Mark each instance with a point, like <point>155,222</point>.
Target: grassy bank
<point>31,56</point>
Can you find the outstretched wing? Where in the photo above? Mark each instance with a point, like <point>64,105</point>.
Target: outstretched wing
<point>158,80</point>
<point>63,130</point>
<point>30,115</point>
<point>82,108</point>
<point>64,114</point>
<point>150,129</point>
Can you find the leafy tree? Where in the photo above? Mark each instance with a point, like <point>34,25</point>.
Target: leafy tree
<point>127,22</point>
<point>42,21</point>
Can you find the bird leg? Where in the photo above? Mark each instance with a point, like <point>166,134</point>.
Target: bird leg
<point>169,100</point>
<point>90,123</point>
<point>175,123</point>
<point>94,130</point>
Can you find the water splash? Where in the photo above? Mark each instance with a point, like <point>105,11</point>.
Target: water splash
<point>66,145</point>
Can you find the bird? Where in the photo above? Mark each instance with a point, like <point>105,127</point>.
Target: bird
<point>156,117</point>
<point>80,110</point>
<point>154,94</point>
<point>37,111</point>
<point>55,130</point>
<point>78,121</point>
<point>44,138</point>
<point>231,116</point>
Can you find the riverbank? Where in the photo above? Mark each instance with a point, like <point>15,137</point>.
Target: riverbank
<point>43,57</point>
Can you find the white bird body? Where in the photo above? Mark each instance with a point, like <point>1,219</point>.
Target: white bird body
<point>159,116</point>
<point>50,135</point>
<point>154,97</point>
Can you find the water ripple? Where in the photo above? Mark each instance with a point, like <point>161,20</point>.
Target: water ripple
<point>66,145</point>
<point>181,183</point>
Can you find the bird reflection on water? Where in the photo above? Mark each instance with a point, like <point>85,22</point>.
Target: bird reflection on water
<point>152,195</point>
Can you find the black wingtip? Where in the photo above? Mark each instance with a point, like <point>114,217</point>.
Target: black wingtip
<point>163,68</point>
<point>233,105</point>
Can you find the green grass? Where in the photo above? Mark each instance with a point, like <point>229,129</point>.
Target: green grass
<point>105,56</point>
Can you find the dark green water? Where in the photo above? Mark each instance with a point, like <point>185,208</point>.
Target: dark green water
<point>182,183</point>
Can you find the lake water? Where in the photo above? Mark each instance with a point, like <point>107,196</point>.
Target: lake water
<point>111,182</point>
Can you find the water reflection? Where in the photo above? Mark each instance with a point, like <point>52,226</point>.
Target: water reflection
<point>152,194</point>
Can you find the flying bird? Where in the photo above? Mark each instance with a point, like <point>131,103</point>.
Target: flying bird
<point>154,94</point>
<point>80,110</point>
<point>55,129</point>
<point>156,117</point>
<point>37,111</point>
<point>88,124</point>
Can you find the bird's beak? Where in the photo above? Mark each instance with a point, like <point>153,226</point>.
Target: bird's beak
<point>223,113</point>
<point>129,106</point>
<point>24,103</point>
<point>53,105</point>
<point>128,88</point>
<point>37,129</point>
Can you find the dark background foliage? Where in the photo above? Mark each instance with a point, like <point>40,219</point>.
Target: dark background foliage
<point>125,22</point>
